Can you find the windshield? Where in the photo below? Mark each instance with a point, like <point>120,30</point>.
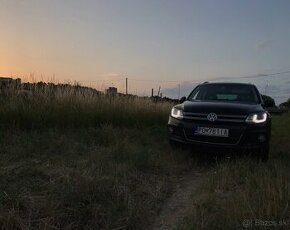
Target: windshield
<point>225,92</point>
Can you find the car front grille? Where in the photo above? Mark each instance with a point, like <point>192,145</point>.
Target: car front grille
<point>228,118</point>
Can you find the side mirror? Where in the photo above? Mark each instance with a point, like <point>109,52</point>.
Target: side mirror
<point>269,103</point>
<point>183,99</point>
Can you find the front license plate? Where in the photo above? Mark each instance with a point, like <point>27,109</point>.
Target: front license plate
<point>216,132</point>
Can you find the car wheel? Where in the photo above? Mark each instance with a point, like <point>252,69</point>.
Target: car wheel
<point>264,153</point>
<point>175,144</point>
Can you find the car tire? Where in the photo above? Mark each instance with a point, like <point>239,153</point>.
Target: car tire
<point>176,144</point>
<point>264,153</point>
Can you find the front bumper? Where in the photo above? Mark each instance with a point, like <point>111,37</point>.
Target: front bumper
<point>241,135</point>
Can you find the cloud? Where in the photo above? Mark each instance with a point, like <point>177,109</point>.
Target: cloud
<point>262,44</point>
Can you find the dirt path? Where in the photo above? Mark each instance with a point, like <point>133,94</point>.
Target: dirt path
<point>177,206</point>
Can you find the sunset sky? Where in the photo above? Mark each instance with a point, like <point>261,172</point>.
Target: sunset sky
<point>152,42</point>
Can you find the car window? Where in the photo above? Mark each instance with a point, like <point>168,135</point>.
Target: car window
<point>226,92</point>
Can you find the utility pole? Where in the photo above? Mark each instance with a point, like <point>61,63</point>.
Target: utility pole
<point>178,91</point>
<point>159,91</point>
<point>126,85</point>
<point>152,92</point>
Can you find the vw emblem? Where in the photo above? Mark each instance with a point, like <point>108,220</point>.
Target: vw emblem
<point>212,117</point>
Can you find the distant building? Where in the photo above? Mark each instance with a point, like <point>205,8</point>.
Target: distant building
<point>112,91</point>
<point>8,83</point>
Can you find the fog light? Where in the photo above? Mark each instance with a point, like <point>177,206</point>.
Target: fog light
<point>170,129</point>
<point>261,138</point>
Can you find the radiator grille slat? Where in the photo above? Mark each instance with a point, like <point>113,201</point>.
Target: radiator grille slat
<point>221,117</point>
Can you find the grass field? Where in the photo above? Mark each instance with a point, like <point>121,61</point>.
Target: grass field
<point>74,161</point>
<point>70,160</point>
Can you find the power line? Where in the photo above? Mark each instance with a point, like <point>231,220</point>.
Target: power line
<point>149,80</point>
<point>186,81</point>
<point>271,74</point>
<point>120,79</point>
<point>254,76</point>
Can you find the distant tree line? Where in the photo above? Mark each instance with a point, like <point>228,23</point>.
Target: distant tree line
<point>286,104</point>
<point>268,99</point>
<point>51,87</point>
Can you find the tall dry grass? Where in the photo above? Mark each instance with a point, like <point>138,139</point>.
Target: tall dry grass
<point>73,107</point>
<point>72,159</point>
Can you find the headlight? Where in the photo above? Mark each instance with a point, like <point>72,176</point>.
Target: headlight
<point>257,118</point>
<point>176,113</point>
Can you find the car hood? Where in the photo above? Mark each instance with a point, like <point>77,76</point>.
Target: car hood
<point>220,107</point>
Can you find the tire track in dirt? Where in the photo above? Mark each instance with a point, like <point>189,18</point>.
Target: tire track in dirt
<point>179,204</point>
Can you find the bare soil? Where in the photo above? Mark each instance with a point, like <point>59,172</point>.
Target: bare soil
<point>176,207</point>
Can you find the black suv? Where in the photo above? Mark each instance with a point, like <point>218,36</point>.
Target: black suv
<point>230,115</point>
